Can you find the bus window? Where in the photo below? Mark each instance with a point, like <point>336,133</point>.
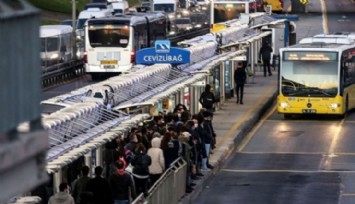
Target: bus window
<point>108,36</point>
<point>226,12</point>
<point>50,44</point>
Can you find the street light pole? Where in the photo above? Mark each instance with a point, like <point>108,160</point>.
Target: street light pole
<point>74,28</point>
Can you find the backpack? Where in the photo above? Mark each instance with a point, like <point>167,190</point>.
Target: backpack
<point>207,100</point>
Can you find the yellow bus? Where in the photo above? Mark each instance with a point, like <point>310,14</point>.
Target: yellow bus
<point>276,5</point>
<point>317,76</point>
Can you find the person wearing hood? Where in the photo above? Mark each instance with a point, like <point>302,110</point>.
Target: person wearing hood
<point>141,163</point>
<point>63,196</point>
<point>207,98</point>
<point>157,167</point>
<point>122,185</point>
<point>185,138</point>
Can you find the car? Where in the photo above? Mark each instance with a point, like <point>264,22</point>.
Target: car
<point>146,4</point>
<point>183,24</point>
<point>202,2</point>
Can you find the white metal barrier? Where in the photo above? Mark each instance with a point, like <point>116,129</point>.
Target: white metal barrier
<point>170,188</point>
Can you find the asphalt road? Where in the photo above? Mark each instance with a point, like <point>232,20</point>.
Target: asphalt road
<point>297,161</point>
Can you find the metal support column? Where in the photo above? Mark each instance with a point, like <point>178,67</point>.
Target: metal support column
<point>182,95</point>
<point>74,26</point>
<point>223,84</point>
<point>99,160</point>
<point>252,61</point>
<point>88,162</point>
<point>57,179</point>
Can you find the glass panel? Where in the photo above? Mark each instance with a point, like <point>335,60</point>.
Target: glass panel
<point>49,44</point>
<point>108,35</point>
<point>309,78</point>
<point>227,77</point>
<point>81,23</point>
<point>164,7</point>
<point>225,12</point>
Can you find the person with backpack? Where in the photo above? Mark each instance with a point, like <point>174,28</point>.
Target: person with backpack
<point>207,98</point>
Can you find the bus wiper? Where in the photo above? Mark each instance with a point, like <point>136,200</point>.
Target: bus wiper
<point>298,92</point>
<point>309,91</point>
<point>318,90</point>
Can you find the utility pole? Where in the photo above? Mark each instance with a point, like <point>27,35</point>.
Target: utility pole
<point>74,28</point>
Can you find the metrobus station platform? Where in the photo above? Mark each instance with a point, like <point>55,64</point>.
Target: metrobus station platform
<point>232,123</point>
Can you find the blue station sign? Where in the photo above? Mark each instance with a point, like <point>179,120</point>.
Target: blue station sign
<point>163,53</point>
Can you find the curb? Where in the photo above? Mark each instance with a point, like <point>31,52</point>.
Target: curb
<point>239,136</point>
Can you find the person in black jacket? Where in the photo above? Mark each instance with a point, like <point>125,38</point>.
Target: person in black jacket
<point>171,146</point>
<point>141,163</point>
<point>121,184</point>
<point>99,187</point>
<point>206,138</point>
<point>265,55</point>
<point>207,98</point>
<point>240,77</point>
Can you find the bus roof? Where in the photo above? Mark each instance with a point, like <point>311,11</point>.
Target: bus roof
<point>317,46</point>
<point>328,40</point>
<point>54,30</point>
<point>133,19</point>
<point>94,12</point>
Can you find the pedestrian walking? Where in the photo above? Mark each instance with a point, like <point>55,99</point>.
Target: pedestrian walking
<point>240,77</point>
<point>207,98</point>
<point>80,184</point>
<point>265,55</point>
<point>63,196</point>
<point>122,185</point>
<point>99,187</point>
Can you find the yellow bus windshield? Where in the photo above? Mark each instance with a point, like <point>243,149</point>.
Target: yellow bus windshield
<point>309,78</point>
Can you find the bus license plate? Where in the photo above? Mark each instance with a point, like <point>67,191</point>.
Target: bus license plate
<point>109,66</point>
<point>309,111</point>
<point>108,62</point>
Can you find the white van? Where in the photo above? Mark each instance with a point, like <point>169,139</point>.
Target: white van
<point>168,6</point>
<point>56,45</point>
<point>91,13</point>
<point>119,7</point>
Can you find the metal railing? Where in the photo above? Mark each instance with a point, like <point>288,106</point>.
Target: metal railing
<point>170,188</point>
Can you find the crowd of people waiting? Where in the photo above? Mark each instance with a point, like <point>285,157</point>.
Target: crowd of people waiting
<point>135,162</point>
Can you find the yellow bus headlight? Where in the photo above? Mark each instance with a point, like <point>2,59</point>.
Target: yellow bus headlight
<point>284,105</point>
<point>334,105</point>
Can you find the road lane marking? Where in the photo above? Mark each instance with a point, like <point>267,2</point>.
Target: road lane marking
<point>284,171</point>
<point>325,17</point>
<point>348,194</point>
<point>325,154</point>
<point>327,159</point>
<point>250,135</point>
<point>245,116</point>
<point>297,153</point>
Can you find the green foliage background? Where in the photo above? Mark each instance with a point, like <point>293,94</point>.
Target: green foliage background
<point>65,6</point>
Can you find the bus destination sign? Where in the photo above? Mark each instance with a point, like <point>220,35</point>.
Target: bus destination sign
<point>310,56</point>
